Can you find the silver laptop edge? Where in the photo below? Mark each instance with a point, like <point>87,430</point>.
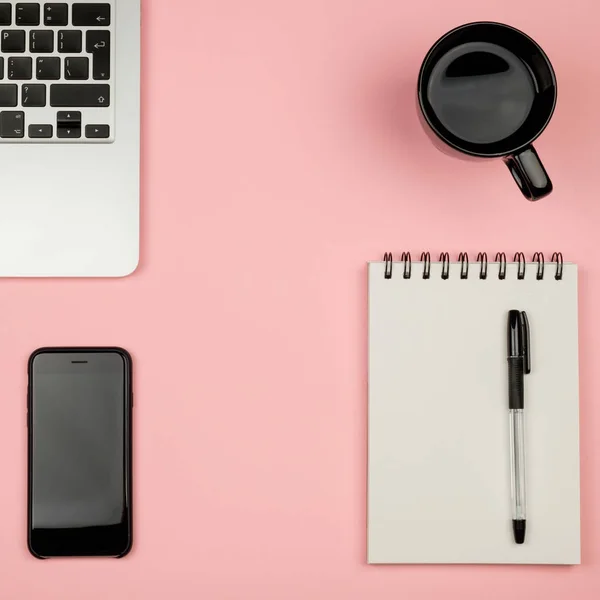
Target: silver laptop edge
<point>72,209</point>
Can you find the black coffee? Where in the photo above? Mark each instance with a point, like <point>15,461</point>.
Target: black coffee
<point>481,92</point>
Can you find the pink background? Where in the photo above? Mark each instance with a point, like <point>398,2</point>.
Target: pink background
<point>281,152</point>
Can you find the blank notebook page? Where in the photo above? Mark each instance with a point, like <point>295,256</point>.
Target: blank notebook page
<point>438,465</point>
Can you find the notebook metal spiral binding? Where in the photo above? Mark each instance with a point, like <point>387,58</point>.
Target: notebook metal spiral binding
<point>482,260</point>
<point>426,260</point>
<point>389,264</point>
<point>406,259</point>
<point>445,260</point>
<point>501,258</point>
<point>520,259</point>
<point>463,257</point>
<point>539,258</point>
<point>557,257</point>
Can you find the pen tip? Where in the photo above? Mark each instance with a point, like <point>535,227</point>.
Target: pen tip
<point>519,531</point>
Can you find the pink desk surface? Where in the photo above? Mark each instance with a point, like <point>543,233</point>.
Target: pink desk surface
<point>281,152</point>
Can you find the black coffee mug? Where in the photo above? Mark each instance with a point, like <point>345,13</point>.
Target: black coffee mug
<point>487,90</point>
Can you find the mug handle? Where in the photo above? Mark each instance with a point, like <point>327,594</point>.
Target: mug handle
<point>529,173</point>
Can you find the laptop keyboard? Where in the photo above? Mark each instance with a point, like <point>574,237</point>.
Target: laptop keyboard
<point>57,72</point>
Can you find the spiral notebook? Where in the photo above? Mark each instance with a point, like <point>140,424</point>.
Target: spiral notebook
<point>439,487</point>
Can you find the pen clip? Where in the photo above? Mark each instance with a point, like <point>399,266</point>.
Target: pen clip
<point>524,323</point>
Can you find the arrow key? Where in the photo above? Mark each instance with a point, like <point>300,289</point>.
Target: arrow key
<point>91,15</point>
<point>97,131</point>
<point>68,132</point>
<point>69,117</point>
<point>68,124</point>
<point>56,14</point>
<point>40,131</point>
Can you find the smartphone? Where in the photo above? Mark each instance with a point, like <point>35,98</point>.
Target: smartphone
<point>79,412</point>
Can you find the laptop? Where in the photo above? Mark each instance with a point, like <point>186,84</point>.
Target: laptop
<point>69,138</point>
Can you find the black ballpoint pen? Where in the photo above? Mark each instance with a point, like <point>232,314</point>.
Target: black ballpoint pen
<point>519,364</point>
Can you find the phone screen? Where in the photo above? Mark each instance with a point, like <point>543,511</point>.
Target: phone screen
<point>79,463</point>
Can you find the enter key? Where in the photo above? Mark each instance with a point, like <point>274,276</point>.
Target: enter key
<point>98,45</point>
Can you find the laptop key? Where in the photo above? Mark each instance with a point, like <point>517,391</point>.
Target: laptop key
<point>41,41</point>
<point>91,15</point>
<point>77,67</point>
<point>8,94</point>
<point>5,13</point>
<point>13,40</point>
<point>12,124</point>
<point>19,67</point>
<point>68,124</point>
<point>56,14</point>
<point>68,132</point>
<point>69,117</point>
<point>98,45</point>
<point>1,67</point>
<point>100,132</point>
<point>28,14</point>
<point>48,68</point>
<point>70,41</point>
<point>33,94</point>
<point>79,94</point>
<point>40,131</point>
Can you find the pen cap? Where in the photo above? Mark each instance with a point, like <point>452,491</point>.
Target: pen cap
<point>515,334</point>
<point>518,337</point>
<point>526,344</point>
